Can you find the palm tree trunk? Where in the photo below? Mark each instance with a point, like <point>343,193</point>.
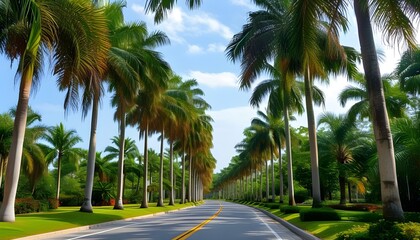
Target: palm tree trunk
<point>342,182</point>
<point>183,178</point>
<point>261,185</point>
<point>144,203</point>
<point>267,189</point>
<point>1,169</point>
<point>7,210</point>
<point>273,193</point>
<point>316,190</point>
<point>160,198</point>
<point>87,202</point>
<point>57,195</point>
<point>189,178</point>
<point>171,173</point>
<point>281,178</point>
<point>290,184</point>
<point>392,209</point>
<point>120,187</point>
<point>349,188</point>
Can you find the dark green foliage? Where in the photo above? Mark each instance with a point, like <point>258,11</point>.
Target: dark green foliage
<point>272,205</point>
<point>371,217</point>
<point>356,207</point>
<point>71,200</point>
<point>319,214</point>
<point>301,195</point>
<point>412,216</point>
<point>356,233</point>
<point>289,209</point>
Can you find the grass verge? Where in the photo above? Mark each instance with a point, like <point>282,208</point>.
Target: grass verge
<point>70,217</point>
<point>327,230</point>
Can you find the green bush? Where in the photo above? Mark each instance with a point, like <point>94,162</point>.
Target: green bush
<point>301,195</point>
<point>367,217</point>
<point>383,230</point>
<point>71,200</point>
<point>319,214</point>
<point>356,233</point>
<point>289,209</point>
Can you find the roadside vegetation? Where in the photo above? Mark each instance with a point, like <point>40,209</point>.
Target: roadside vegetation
<point>70,217</point>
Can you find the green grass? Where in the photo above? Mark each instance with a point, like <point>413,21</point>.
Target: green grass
<point>70,217</point>
<point>327,230</point>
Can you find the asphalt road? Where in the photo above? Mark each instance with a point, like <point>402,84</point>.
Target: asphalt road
<point>212,220</point>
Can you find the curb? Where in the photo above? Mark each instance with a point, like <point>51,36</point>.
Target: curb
<point>93,226</point>
<point>301,233</point>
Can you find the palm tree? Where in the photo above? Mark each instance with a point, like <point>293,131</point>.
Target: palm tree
<point>274,130</point>
<point>406,135</point>
<point>276,31</point>
<point>395,21</point>
<point>161,7</point>
<point>130,151</point>
<point>61,149</point>
<point>34,29</point>
<point>339,143</point>
<point>396,100</point>
<point>407,72</point>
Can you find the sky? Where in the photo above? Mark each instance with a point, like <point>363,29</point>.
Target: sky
<point>198,41</point>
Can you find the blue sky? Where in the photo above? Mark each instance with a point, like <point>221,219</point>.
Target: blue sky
<point>198,40</point>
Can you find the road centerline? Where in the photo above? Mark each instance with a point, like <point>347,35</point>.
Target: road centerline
<point>191,231</point>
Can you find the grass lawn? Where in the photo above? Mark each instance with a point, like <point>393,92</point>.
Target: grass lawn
<point>327,230</point>
<point>70,217</point>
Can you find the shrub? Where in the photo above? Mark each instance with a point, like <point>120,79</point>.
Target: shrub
<point>355,233</point>
<point>26,205</point>
<point>383,230</point>
<point>319,214</point>
<point>301,195</point>
<point>289,209</point>
<point>356,207</point>
<point>367,217</point>
<point>71,200</point>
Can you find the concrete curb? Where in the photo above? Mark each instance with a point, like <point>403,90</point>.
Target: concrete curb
<point>93,226</point>
<point>301,233</point>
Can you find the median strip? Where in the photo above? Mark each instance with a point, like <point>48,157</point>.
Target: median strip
<point>190,232</point>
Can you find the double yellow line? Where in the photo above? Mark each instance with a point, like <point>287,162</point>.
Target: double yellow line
<point>190,232</point>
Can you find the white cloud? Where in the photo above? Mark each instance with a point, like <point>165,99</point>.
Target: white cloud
<point>195,23</point>
<point>215,47</point>
<point>214,80</point>
<point>194,49</point>
<point>244,3</point>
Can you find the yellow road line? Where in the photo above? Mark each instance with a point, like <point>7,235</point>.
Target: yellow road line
<point>190,232</point>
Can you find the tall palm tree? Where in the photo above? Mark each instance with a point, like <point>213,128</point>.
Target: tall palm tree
<point>62,148</point>
<point>274,129</point>
<point>396,23</point>
<point>130,56</point>
<point>34,29</point>
<point>277,30</point>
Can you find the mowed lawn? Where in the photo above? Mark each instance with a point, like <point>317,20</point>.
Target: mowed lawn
<point>70,217</point>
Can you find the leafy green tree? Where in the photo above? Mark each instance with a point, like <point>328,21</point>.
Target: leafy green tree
<point>33,30</point>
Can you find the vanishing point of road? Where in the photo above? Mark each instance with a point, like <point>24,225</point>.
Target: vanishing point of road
<point>212,220</point>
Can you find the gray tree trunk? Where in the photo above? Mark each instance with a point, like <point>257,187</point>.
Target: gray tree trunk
<point>267,184</point>
<point>290,184</point>
<point>316,189</point>
<point>87,202</point>
<point>392,209</point>
<point>120,185</point>
<point>183,179</point>
<point>144,203</point>
<point>273,193</point>
<point>189,178</point>
<point>7,210</point>
<point>171,173</point>
<point>160,197</point>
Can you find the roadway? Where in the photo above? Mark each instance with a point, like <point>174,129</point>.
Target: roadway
<point>212,220</point>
